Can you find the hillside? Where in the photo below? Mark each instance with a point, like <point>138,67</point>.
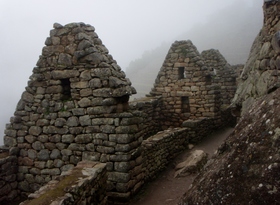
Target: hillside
<point>245,169</point>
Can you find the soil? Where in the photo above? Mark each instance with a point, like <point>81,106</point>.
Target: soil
<point>167,190</point>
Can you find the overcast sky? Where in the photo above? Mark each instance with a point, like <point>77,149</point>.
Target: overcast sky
<point>126,27</point>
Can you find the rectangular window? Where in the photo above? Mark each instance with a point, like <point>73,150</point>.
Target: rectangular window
<point>181,73</point>
<point>185,104</point>
<point>66,93</point>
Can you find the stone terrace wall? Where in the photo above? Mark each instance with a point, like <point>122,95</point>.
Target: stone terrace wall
<point>85,184</point>
<point>8,176</point>
<point>223,74</point>
<point>160,148</point>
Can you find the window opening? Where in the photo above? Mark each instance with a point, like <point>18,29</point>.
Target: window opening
<point>185,104</point>
<point>66,89</point>
<point>208,79</point>
<point>181,73</point>
<point>122,103</point>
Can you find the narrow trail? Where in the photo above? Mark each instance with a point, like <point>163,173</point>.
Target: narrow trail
<point>167,190</point>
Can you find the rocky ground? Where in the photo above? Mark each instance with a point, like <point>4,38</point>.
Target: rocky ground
<point>167,190</point>
<point>245,169</point>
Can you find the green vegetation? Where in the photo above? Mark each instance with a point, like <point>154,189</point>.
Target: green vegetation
<point>59,191</point>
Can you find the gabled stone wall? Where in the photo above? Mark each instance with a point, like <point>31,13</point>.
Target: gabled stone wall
<point>185,84</point>
<point>222,74</point>
<point>74,108</point>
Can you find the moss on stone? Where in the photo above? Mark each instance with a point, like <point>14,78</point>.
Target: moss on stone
<point>59,190</point>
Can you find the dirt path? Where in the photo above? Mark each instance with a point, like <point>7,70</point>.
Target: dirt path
<point>167,190</point>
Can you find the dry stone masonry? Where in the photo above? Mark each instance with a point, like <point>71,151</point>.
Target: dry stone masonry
<point>191,84</point>
<point>8,176</point>
<point>75,110</point>
<point>261,71</point>
<point>85,184</point>
<point>223,74</point>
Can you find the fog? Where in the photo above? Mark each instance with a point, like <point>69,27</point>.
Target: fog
<point>126,27</point>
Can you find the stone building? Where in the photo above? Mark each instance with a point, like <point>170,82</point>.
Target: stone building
<point>75,109</point>
<point>193,85</point>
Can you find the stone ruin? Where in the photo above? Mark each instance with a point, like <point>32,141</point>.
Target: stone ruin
<point>193,85</point>
<point>245,169</point>
<point>75,110</point>
<point>260,75</point>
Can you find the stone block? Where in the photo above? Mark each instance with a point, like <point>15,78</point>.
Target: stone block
<point>118,177</point>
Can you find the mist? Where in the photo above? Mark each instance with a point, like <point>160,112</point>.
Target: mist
<point>127,28</point>
<point>231,30</point>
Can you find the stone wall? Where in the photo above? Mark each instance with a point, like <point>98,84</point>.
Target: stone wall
<point>260,75</point>
<point>162,147</point>
<point>185,84</point>
<point>199,129</point>
<point>223,74</point>
<point>149,109</point>
<point>75,108</point>
<point>85,184</point>
<point>8,176</point>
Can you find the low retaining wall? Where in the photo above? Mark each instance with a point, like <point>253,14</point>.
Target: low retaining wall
<point>84,184</point>
<point>8,176</point>
<point>198,129</point>
<point>159,149</point>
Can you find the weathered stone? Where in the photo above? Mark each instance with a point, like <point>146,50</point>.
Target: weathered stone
<point>83,139</point>
<point>107,129</point>
<point>43,155</point>
<point>27,97</point>
<point>64,59</point>
<point>49,145</point>
<point>66,152</point>
<point>122,166</point>
<point>93,58</point>
<point>76,147</point>
<point>78,111</point>
<point>118,177</point>
<point>86,92</point>
<point>34,130</point>
<point>53,172</point>
<point>85,102</point>
<point>55,154</point>
<point>126,129</point>
<point>95,83</point>
<point>192,164</point>
<point>38,145</point>
<point>64,74</point>
<point>67,138</point>
<point>85,120</point>
<point>58,163</point>
<point>52,50</point>
<point>80,85</point>
<point>105,150</point>
<point>54,89</point>
<point>72,122</point>
<point>32,154</point>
